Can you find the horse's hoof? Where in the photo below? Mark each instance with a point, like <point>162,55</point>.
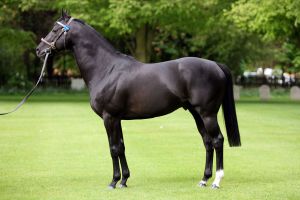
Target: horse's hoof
<point>122,186</point>
<point>202,184</point>
<point>214,186</point>
<point>111,187</point>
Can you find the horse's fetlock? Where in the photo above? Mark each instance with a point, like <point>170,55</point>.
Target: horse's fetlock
<point>117,177</point>
<point>207,173</point>
<point>126,174</point>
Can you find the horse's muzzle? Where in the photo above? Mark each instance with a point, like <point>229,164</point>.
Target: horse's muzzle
<point>41,53</point>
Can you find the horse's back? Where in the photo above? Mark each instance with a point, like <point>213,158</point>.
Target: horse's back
<point>197,81</point>
<point>189,73</point>
<point>207,69</point>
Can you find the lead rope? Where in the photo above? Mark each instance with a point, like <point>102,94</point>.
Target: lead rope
<point>32,90</point>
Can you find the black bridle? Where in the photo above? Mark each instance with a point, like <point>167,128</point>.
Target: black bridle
<point>64,30</point>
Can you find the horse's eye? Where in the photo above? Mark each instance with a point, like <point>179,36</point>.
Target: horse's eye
<point>54,30</point>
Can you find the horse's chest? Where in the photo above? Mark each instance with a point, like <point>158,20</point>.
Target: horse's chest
<point>107,102</point>
<point>97,105</point>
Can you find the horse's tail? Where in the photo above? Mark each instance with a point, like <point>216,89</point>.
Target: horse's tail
<point>229,112</point>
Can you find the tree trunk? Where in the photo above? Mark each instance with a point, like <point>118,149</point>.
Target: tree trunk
<point>144,37</point>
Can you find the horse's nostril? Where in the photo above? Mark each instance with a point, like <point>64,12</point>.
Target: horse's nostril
<point>37,49</point>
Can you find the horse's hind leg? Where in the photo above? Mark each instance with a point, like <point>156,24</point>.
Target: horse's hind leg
<point>208,146</point>
<point>213,129</point>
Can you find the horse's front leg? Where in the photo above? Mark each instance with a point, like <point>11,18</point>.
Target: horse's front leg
<point>117,149</point>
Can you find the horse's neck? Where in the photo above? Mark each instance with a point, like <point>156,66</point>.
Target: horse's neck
<point>93,60</point>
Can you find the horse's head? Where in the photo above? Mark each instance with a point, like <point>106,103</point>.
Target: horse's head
<point>56,40</point>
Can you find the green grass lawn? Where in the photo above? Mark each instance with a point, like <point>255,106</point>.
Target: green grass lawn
<point>55,147</point>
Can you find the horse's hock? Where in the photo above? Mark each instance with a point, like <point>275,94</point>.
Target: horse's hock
<point>295,93</point>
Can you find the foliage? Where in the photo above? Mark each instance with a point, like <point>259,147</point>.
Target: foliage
<point>192,28</point>
<point>19,21</point>
<point>127,16</point>
<point>275,20</point>
<point>289,57</point>
<point>225,42</point>
<point>14,43</point>
<point>65,62</point>
<point>272,18</point>
<point>136,21</point>
<point>238,33</point>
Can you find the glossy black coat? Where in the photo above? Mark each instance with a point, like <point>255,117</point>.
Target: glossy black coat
<point>122,88</point>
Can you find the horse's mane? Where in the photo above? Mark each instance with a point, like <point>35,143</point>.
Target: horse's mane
<point>104,43</point>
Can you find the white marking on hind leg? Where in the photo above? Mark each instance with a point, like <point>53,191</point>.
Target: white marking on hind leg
<point>202,183</point>
<point>219,176</point>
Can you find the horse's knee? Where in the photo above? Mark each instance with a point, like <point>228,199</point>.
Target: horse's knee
<point>114,151</point>
<point>117,150</point>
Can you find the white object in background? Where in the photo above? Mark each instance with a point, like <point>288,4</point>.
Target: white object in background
<point>264,92</point>
<point>77,84</point>
<point>295,93</point>
<point>236,92</point>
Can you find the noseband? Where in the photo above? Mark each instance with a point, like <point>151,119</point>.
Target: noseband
<point>64,30</point>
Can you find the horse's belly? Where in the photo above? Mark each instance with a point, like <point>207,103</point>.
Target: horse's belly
<point>148,104</point>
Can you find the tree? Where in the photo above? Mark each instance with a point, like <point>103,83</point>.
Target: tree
<point>223,41</point>
<point>273,19</point>
<point>152,30</point>
<point>137,20</point>
<point>217,38</point>
<point>14,43</point>
<point>276,21</point>
<point>171,28</point>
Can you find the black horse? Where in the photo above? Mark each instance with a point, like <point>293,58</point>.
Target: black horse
<point>122,88</point>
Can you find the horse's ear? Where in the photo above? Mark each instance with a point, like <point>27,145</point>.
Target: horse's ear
<point>64,14</point>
